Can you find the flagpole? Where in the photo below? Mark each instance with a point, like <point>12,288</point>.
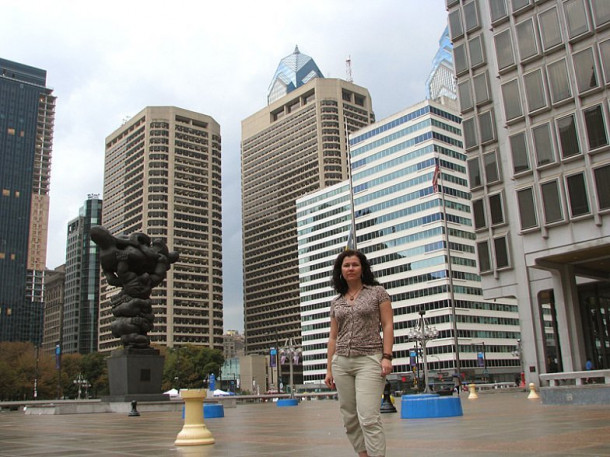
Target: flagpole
<point>449,269</point>
<point>354,244</point>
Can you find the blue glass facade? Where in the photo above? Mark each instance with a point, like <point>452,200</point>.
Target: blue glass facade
<point>23,96</point>
<point>292,72</point>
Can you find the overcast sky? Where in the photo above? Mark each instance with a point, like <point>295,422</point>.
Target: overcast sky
<point>108,60</point>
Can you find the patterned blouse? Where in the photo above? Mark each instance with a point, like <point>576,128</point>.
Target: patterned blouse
<point>359,323</point>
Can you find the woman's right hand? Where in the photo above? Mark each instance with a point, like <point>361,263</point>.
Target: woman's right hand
<point>329,381</point>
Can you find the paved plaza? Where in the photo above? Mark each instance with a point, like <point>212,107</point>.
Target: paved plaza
<point>495,424</point>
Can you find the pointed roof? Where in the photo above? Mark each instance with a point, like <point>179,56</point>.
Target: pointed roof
<point>293,71</point>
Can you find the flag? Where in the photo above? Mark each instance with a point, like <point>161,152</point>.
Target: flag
<point>435,176</point>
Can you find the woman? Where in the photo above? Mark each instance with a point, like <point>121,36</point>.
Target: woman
<point>358,358</point>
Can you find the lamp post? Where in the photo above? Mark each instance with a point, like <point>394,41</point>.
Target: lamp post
<point>291,349</point>
<point>518,352</point>
<point>422,333</point>
<point>81,382</point>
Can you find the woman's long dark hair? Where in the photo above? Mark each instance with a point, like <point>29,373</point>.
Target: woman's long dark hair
<point>338,282</point>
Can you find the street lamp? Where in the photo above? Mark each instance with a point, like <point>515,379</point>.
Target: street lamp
<point>422,333</point>
<point>518,352</point>
<point>291,349</point>
<point>81,382</point>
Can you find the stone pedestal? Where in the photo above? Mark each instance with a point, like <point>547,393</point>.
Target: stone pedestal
<point>135,374</point>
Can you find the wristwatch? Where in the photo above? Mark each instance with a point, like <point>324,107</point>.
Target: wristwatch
<point>386,356</point>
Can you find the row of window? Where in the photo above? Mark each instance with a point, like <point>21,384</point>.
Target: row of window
<point>559,139</point>
<point>574,191</point>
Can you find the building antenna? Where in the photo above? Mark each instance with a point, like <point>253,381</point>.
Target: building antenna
<point>348,69</point>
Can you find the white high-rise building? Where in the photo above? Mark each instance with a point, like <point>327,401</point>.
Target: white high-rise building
<point>420,240</point>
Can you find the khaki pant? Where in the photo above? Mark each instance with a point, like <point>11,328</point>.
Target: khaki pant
<point>360,387</point>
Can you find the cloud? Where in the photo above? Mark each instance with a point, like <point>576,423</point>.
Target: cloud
<point>108,60</point>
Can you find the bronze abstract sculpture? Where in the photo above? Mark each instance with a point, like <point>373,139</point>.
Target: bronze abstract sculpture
<point>137,264</point>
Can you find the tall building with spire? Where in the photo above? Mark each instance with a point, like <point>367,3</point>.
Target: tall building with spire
<point>292,72</point>
<point>162,178</point>
<point>295,145</point>
<point>82,271</point>
<point>27,116</point>
<point>441,81</point>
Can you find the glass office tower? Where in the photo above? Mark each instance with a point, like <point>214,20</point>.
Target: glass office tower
<point>82,270</point>
<point>417,231</point>
<point>27,114</point>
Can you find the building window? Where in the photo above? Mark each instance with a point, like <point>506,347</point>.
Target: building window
<point>497,10</point>
<point>527,208</point>
<point>551,202</point>
<point>543,145</point>
<point>487,127</point>
<point>504,49</point>
<point>601,12</point>
<point>602,186</point>
<point>470,134</point>
<point>576,17</point>
<point>577,192</point>
<point>455,24</point>
<point>478,210</point>
<point>471,16</point>
<point>604,52</point>
<point>596,129</point>
<point>519,4</point>
<point>526,39</point>
<point>559,81</point>
<point>474,173</point>
<point>584,67</point>
<point>550,30</point>
<point>534,91</point>
<point>519,152</point>
<point>512,100</point>
<point>483,255</point>
<point>475,49</point>
<point>568,136</point>
<point>501,251</point>
<point>459,59</point>
<point>492,172</point>
<point>465,93</point>
<point>496,209</point>
<point>481,88</point>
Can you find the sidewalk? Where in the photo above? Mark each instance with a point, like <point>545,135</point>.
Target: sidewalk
<point>495,424</point>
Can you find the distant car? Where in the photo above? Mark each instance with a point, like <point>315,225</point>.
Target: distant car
<point>443,388</point>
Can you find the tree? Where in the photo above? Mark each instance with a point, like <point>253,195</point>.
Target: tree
<point>187,367</point>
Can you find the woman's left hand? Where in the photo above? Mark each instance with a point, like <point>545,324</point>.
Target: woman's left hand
<point>386,367</point>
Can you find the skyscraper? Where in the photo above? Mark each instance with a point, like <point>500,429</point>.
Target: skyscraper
<point>54,286</point>
<point>414,223</point>
<point>441,81</point>
<point>295,145</point>
<point>533,85</point>
<point>162,178</point>
<point>82,269</point>
<point>27,114</point>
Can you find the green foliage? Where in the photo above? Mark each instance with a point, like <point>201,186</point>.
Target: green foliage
<point>19,367</point>
<point>187,367</point>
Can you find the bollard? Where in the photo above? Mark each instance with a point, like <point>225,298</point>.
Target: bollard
<point>194,432</point>
<point>134,409</point>
<point>533,395</point>
<point>473,392</point>
<point>387,406</point>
